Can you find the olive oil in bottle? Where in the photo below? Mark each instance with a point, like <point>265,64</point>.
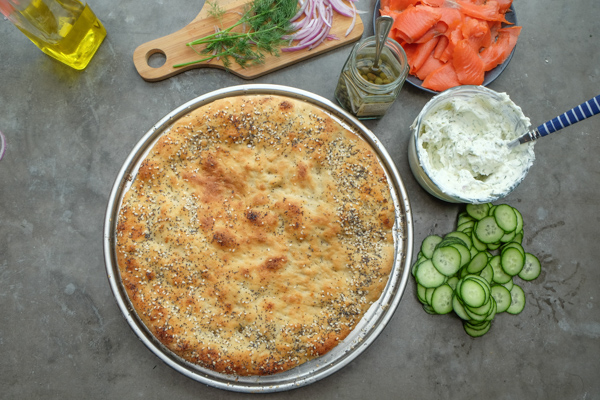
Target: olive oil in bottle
<point>64,29</point>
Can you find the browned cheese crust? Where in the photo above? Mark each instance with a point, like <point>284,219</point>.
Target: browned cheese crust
<point>256,234</point>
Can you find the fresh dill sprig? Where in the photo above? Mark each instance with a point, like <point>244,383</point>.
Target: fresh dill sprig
<point>266,23</point>
<point>216,11</point>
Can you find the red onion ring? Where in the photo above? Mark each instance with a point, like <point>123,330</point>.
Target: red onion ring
<point>2,145</point>
<point>313,21</point>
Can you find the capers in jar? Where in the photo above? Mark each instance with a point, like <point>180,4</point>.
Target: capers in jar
<point>375,76</point>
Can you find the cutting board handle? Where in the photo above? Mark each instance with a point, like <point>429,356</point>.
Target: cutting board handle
<point>175,51</point>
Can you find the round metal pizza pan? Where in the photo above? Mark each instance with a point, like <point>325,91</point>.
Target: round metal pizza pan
<point>362,336</point>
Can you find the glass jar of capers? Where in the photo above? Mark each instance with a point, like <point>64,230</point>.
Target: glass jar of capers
<point>368,92</point>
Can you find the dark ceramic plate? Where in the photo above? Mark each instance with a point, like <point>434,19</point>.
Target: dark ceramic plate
<point>490,76</point>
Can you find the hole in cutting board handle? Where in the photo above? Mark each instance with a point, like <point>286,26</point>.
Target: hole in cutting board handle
<point>156,58</point>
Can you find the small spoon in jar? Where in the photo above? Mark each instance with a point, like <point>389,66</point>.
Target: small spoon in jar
<point>383,25</point>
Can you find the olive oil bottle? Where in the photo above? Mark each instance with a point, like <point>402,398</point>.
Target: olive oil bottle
<point>66,30</point>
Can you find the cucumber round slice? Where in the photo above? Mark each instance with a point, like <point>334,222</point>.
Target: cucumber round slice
<point>477,263</point>
<point>505,217</point>
<point>462,236</point>
<point>512,261</point>
<point>508,237</point>
<point>519,227</point>
<point>458,308</point>
<point>478,211</point>
<point>465,254</point>
<point>531,269</point>
<point>472,293</point>
<point>446,260</point>
<point>471,331</point>
<point>516,245</point>
<point>488,231</point>
<point>429,295</point>
<point>463,217</point>
<point>465,226</point>
<point>484,284</point>
<point>421,290</point>
<point>428,276</point>
<point>429,244</point>
<point>517,303</point>
<point>493,311</point>
<point>499,275</point>
<point>508,284</point>
<point>502,297</point>
<point>476,242</point>
<point>452,281</point>
<point>487,273</point>
<point>428,309</point>
<point>441,301</point>
<point>484,310</point>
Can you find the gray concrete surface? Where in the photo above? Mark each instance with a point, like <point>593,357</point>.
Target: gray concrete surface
<point>62,334</point>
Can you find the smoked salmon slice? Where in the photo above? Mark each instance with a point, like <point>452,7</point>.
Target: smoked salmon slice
<point>414,22</point>
<point>467,64</point>
<point>490,11</point>
<point>442,78</point>
<point>452,42</point>
<point>422,52</point>
<point>430,65</point>
<point>499,51</point>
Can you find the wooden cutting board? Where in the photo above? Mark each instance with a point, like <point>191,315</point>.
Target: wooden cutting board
<point>174,48</point>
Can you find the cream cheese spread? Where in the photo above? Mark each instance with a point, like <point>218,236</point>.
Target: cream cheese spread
<point>463,147</point>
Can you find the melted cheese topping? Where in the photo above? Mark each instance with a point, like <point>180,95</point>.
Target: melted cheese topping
<point>257,233</point>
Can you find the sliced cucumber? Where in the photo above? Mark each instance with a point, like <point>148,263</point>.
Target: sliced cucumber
<point>531,269</point>
<point>463,217</point>
<point>452,281</point>
<point>477,243</point>
<point>462,236</point>
<point>465,254</point>
<point>421,290</point>
<point>517,303</point>
<point>428,276</point>
<point>446,260</point>
<point>428,309</point>
<point>465,226</point>
<point>471,331</point>
<point>487,273</point>
<point>477,263</point>
<point>512,261</point>
<point>519,227</point>
<point>488,231</point>
<point>472,293</point>
<point>458,308</point>
<point>429,295</point>
<point>499,275</point>
<point>429,244</point>
<point>502,297</point>
<point>505,217</point>
<point>478,211</point>
<point>470,270</point>
<point>516,245</point>
<point>441,301</point>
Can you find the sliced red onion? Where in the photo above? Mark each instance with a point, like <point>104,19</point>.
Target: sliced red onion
<point>315,26</point>
<point>2,145</point>
<point>303,5</point>
<point>329,17</point>
<point>341,8</point>
<point>323,14</point>
<point>353,19</point>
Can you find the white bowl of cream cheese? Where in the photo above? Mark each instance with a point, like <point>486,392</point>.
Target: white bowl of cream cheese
<point>459,150</point>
